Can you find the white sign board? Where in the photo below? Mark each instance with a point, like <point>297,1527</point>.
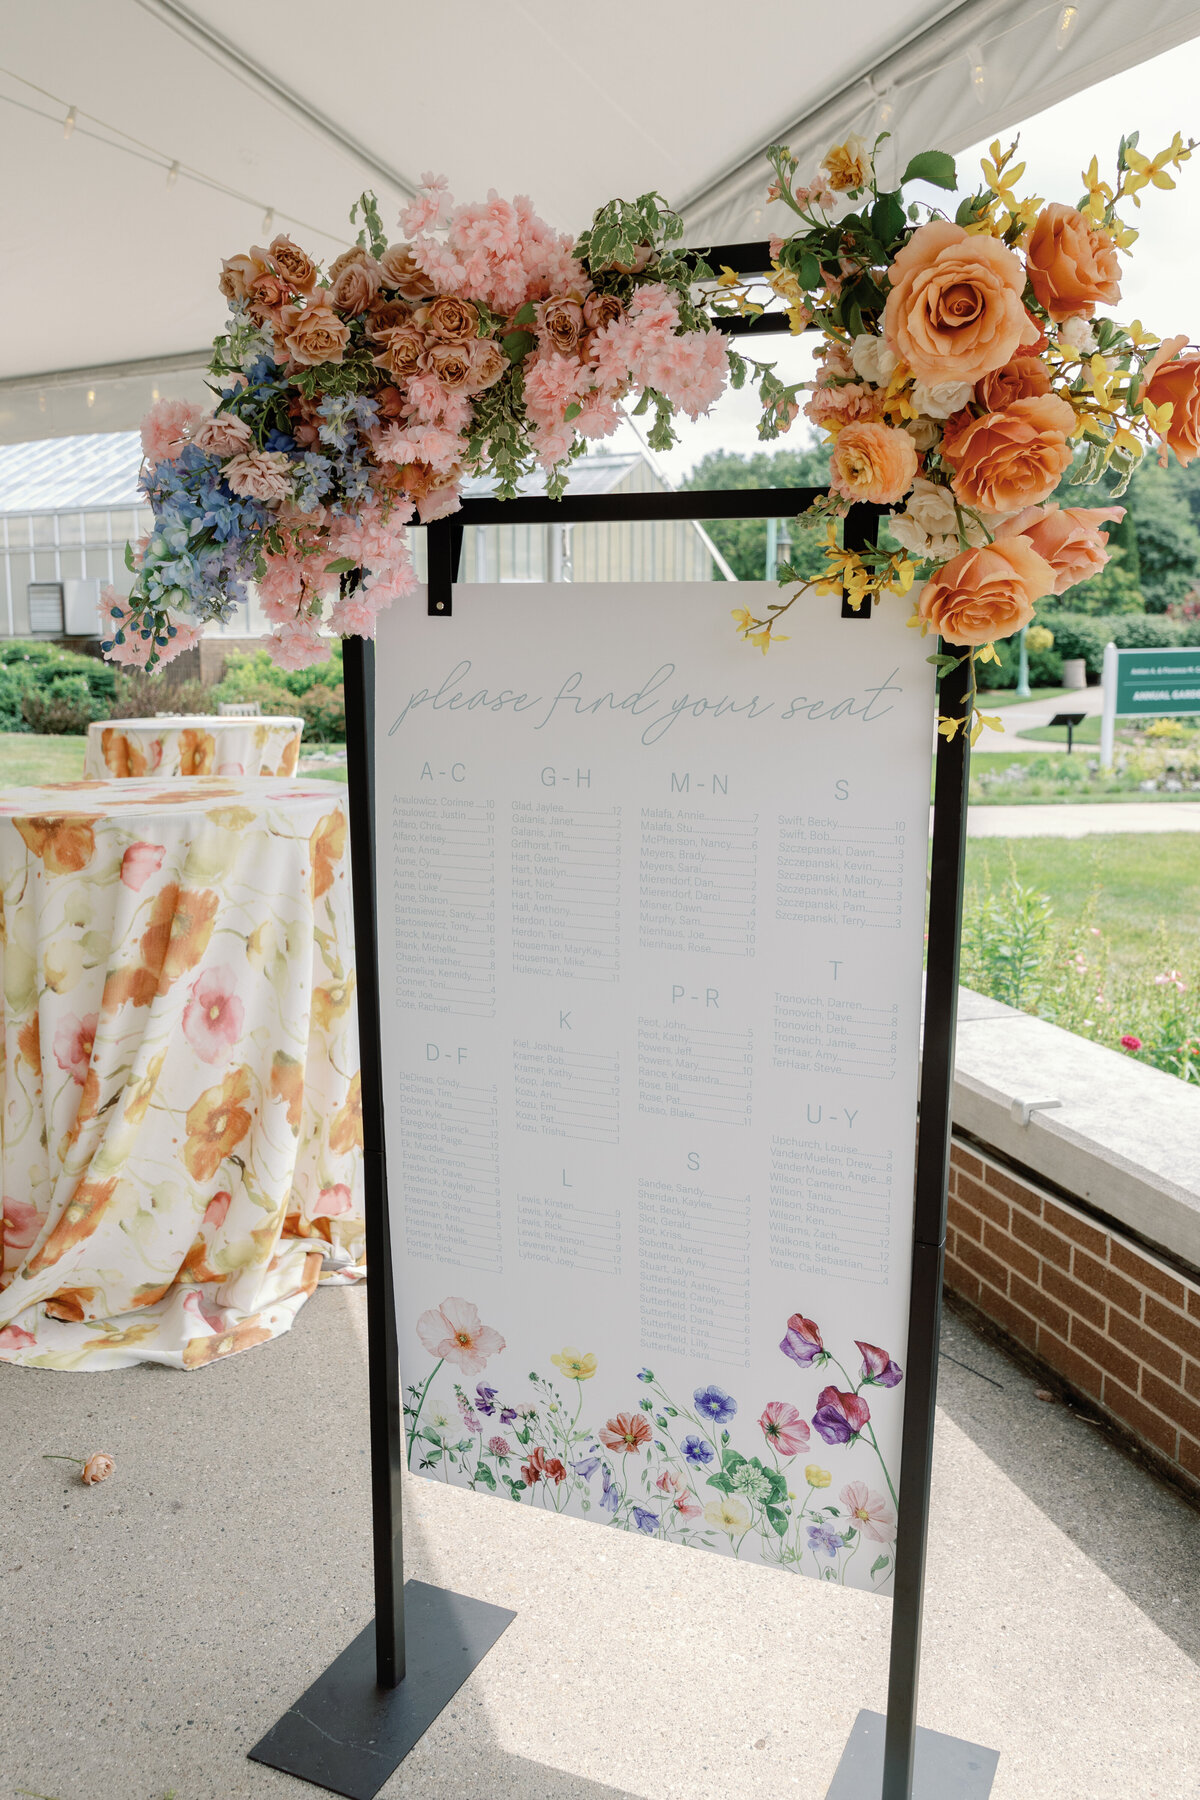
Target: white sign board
<point>651,914</point>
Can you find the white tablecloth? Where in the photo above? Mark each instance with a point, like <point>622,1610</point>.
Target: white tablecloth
<point>191,744</point>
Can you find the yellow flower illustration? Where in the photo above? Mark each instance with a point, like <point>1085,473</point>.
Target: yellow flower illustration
<point>817,1477</point>
<point>728,1514</point>
<point>578,1368</point>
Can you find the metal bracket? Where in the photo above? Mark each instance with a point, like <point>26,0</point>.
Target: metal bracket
<point>443,543</point>
<point>1023,1110</point>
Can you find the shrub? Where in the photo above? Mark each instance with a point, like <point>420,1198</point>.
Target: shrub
<point>63,706</point>
<point>315,694</point>
<point>48,689</point>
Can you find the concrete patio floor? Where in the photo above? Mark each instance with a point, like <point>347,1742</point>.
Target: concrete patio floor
<point>155,1626</point>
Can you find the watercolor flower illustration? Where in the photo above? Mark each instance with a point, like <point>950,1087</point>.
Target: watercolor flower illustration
<point>728,1514</point>
<point>840,1417</point>
<point>878,1367</point>
<point>715,1404</point>
<point>139,863</point>
<point>802,1342</point>
<point>868,1511</point>
<point>73,1044</point>
<point>821,1537</point>
<point>784,1427</point>
<point>213,1017</point>
<point>627,1433</point>
<point>572,1364</point>
<point>454,1333</point>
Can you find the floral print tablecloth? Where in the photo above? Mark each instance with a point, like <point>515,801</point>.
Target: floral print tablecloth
<point>181,1122</point>
<point>194,745</point>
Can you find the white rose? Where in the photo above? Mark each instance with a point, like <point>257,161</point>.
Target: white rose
<point>938,399</point>
<point>929,525</point>
<point>923,432</point>
<point>1077,334</point>
<point>873,358</point>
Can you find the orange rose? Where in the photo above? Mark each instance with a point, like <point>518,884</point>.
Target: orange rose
<point>98,1467</point>
<point>954,311</point>
<point>872,462</point>
<point>294,264</point>
<point>401,272</point>
<point>1013,458</point>
<point>313,335</point>
<point>1072,264</point>
<point>1068,538</point>
<point>984,594</point>
<point>1179,383</point>
<point>1024,378</point>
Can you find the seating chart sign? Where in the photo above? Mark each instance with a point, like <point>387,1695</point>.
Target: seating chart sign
<point>651,913</point>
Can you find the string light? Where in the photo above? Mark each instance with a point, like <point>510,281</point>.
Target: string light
<point>172,174</point>
<point>69,123</point>
<point>268,224</point>
<point>978,70</point>
<point>1066,22</point>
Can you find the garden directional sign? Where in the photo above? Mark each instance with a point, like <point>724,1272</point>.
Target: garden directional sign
<point>1152,683</point>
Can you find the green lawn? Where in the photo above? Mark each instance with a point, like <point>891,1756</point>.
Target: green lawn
<point>991,698</point>
<point>27,760</point>
<point>1139,882</point>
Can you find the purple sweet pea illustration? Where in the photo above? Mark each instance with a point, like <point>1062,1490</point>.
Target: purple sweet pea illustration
<point>645,1520</point>
<point>878,1368</point>
<point>803,1342</point>
<point>485,1399</point>
<point>840,1417</point>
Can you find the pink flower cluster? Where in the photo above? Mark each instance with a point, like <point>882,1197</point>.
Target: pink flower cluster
<point>116,615</point>
<point>494,250</point>
<point>296,583</point>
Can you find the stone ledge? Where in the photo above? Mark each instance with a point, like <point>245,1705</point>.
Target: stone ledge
<point>1126,1139</point>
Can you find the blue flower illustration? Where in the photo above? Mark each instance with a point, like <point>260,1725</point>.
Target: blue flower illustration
<point>610,1499</point>
<point>645,1520</point>
<point>698,1451</point>
<point>820,1537</point>
<point>715,1403</point>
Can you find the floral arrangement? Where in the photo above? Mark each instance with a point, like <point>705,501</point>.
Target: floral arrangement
<point>962,362</point>
<point>350,399</point>
<point>663,1468</point>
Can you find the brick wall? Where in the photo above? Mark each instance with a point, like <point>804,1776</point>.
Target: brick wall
<point>1121,1328</point>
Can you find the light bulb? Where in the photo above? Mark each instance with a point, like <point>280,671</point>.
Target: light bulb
<point>91,396</point>
<point>978,70</point>
<point>268,224</point>
<point>69,123</point>
<point>1067,20</point>
<point>172,174</point>
<point>887,108</point>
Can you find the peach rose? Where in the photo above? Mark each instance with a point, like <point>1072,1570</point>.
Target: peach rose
<point>872,462</point>
<point>237,272</point>
<point>223,435</point>
<point>98,1467</point>
<point>391,403</point>
<point>1021,379</point>
<point>356,286</point>
<point>988,593</point>
<point>1179,382</point>
<point>600,310</point>
<point>314,335</point>
<point>1013,458</point>
<point>488,363</point>
<point>1072,264</point>
<point>1068,538</point>
<point>954,311</point>
<point>386,316</point>
<point>265,294</point>
<point>403,351</point>
<point>294,264</point>
<point>451,319</point>
<point>451,363</point>
<point>401,272</point>
<point>560,321</point>
<point>260,475</point>
<point>829,408</point>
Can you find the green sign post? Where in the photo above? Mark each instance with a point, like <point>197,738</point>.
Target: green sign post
<point>1150,682</point>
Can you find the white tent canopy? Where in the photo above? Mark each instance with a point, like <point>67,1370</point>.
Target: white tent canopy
<point>146,139</point>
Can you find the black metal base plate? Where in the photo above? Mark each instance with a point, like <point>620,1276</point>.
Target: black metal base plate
<point>346,1733</point>
<point>944,1768</point>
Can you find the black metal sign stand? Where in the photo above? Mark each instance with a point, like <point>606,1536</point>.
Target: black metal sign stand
<point>352,1728</point>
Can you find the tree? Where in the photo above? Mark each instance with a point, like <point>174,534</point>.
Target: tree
<point>743,542</point>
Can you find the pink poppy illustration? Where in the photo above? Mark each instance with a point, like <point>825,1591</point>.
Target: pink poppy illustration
<point>454,1333</point>
<point>21,1223</point>
<point>784,1428</point>
<point>869,1512</point>
<point>140,862</point>
<point>332,1202</point>
<point>199,1307</point>
<point>214,1212</point>
<point>213,1017</point>
<point>73,1043</point>
<point>12,1337</point>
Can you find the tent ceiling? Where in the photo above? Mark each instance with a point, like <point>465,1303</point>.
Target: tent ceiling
<point>291,105</point>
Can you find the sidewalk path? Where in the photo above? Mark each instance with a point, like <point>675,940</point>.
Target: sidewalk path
<point>1029,713</point>
<point>1083,821</point>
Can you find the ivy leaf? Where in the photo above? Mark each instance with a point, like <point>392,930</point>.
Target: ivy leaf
<point>342,565</point>
<point>934,166</point>
<point>881,1562</point>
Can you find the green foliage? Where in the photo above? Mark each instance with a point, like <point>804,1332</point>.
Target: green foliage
<point>45,688</point>
<point>1080,634</point>
<point>1045,667</point>
<point>743,542</point>
<point>1004,941</point>
<point>1114,590</point>
<point>314,694</point>
<point>1159,538</point>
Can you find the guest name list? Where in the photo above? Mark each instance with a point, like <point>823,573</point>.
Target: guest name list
<point>651,920</point>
